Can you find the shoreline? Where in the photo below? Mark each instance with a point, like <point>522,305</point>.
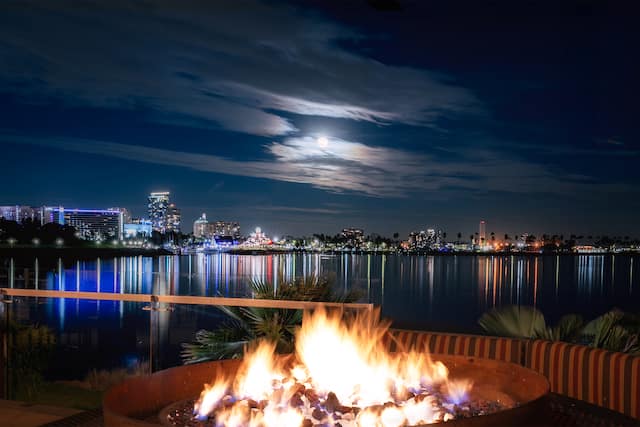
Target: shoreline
<point>259,252</point>
<point>77,252</point>
<point>110,252</point>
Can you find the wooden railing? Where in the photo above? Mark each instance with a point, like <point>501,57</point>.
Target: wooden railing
<point>182,299</point>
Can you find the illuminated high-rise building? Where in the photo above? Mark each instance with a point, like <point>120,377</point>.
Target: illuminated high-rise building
<point>158,205</point>
<point>173,218</point>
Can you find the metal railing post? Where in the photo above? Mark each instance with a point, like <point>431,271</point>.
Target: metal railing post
<point>6,302</point>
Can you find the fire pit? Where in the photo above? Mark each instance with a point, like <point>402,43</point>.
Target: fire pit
<point>339,376</point>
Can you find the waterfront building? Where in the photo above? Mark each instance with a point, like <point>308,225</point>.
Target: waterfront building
<point>137,228</point>
<point>90,224</point>
<point>20,213</point>
<point>173,218</point>
<point>157,206</point>
<point>226,229</point>
<point>126,215</point>
<point>257,238</point>
<point>353,236</point>
<point>431,239</point>
<point>201,227</point>
<point>220,230</point>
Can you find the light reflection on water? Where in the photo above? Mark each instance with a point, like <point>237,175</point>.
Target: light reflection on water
<point>425,292</point>
<point>429,281</point>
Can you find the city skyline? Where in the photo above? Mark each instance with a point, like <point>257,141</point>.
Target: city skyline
<point>338,116</point>
<point>131,226</point>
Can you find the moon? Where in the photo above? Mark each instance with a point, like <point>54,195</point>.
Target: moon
<point>323,142</point>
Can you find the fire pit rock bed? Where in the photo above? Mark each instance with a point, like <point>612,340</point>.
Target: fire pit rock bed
<point>167,396</point>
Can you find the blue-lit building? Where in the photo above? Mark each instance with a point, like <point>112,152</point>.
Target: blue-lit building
<point>20,213</point>
<point>138,229</point>
<point>90,224</point>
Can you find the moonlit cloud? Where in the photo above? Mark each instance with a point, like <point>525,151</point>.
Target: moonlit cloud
<point>295,209</point>
<point>187,63</point>
<point>353,167</point>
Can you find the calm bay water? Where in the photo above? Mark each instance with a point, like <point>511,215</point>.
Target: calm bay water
<point>446,293</point>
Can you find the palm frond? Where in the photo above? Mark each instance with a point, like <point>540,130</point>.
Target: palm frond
<point>225,342</point>
<point>600,331</point>
<point>568,329</point>
<point>514,321</point>
<point>247,324</point>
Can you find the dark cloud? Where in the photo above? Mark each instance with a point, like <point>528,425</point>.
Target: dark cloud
<point>231,63</point>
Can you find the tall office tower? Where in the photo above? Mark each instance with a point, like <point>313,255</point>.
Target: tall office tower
<point>158,205</point>
<point>482,232</point>
<point>173,218</point>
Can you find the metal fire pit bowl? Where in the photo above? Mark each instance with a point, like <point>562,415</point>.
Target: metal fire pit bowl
<point>139,400</point>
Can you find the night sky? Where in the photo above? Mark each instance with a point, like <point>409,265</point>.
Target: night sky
<point>308,117</point>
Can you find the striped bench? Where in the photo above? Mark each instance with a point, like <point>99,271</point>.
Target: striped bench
<point>496,348</point>
<point>604,378</point>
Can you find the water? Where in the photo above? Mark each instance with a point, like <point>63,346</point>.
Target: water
<point>442,293</point>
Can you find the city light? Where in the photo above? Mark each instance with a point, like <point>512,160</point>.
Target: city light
<point>115,227</point>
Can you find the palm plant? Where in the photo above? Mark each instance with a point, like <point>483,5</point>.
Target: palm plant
<point>614,331</point>
<point>513,321</point>
<point>247,324</point>
<point>528,322</point>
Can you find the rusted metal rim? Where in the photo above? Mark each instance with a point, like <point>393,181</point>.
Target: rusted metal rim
<point>138,400</point>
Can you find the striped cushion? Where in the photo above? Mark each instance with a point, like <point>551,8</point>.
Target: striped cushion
<point>601,377</point>
<point>506,349</point>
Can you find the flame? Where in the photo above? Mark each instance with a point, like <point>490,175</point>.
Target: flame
<point>257,375</point>
<point>210,397</point>
<point>458,391</point>
<point>339,365</point>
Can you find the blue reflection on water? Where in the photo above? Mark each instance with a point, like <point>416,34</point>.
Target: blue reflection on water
<point>427,292</point>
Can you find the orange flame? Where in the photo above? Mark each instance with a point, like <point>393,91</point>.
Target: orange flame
<point>343,361</point>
